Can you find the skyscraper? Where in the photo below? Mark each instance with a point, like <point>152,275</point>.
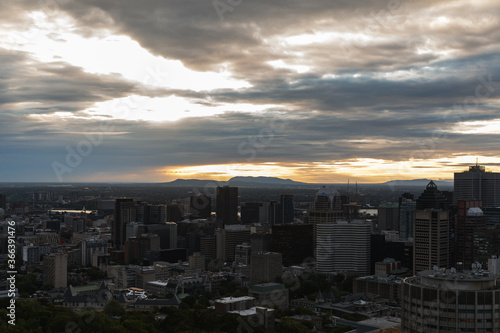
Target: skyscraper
<point>343,247</point>
<point>265,267</point>
<point>287,209</point>
<point>388,217</point>
<point>327,208</point>
<point>124,212</point>
<point>477,184</point>
<point>294,241</point>
<point>431,230</point>
<point>407,208</point>
<point>227,205</point>
<point>55,270</point>
<point>450,301</point>
<point>470,219</point>
<point>200,206</point>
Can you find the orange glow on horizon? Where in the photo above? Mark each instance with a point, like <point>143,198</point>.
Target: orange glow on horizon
<point>360,170</point>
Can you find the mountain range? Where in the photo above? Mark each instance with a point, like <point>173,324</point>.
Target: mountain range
<point>274,181</point>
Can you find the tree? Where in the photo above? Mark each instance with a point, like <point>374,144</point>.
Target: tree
<point>113,308</point>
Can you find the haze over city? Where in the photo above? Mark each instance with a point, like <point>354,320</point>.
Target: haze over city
<point>315,91</point>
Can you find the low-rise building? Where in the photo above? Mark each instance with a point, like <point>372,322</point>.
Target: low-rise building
<point>270,295</point>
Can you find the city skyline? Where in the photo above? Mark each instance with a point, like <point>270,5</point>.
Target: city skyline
<point>317,92</point>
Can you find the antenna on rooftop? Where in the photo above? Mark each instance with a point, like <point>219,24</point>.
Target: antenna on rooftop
<point>356,192</point>
<point>348,191</point>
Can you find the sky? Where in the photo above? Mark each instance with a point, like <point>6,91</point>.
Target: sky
<point>316,91</point>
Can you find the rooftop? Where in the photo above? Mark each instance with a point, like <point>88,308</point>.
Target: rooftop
<point>227,300</point>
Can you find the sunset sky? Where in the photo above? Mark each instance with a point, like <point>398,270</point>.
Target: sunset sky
<point>317,91</point>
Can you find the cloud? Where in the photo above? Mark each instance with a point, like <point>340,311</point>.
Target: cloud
<point>329,82</point>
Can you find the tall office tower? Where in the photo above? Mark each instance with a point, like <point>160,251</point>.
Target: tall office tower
<point>388,217</point>
<point>227,205</point>
<point>470,218</point>
<point>173,213</point>
<point>343,247</point>
<point>200,206</point>
<point>274,213</point>
<point>450,301</point>
<point>265,267</point>
<point>407,208</point>
<point>294,242</point>
<point>124,213</point>
<point>477,184</point>
<point>55,270</point>
<point>287,209</point>
<point>326,208</point>
<point>167,232</point>
<point>154,214</point>
<point>136,248</point>
<point>89,247</point>
<point>233,235</point>
<point>432,198</point>
<point>251,212</point>
<point>431,230</point>
<point>208,247</point>
<point>193,242</point>
<point>261,242</point>
<point>242,254</point>
<point>486,244</point>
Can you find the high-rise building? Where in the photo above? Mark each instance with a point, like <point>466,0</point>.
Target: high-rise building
<point>173,213</point>
<point>89,247</point>
<point>155,214</point>
<point>197,261</point>
<point>431,230</point>
<point>486,244</point>
<point>200,206</point>
<point>326,208</point>
<point>227,205</point>
<point>477,184</point>
<point>287,208</point>
<point>274,212</point>
<point>251,212</point>
<point>450,301</point>
<point>294,242</point>
<point>262,242</point>
<point>55,270</point>
<point>208,246</point>
<point>232,236</point>
<point>343,247</point>
<point>124,213</point>
<point>388,217</point>
<point>265,267</point>
<point>407,208</point>
<point>469,219</point>
<point>136,248</point>
<point>167,232</point>
<point>242,254</point>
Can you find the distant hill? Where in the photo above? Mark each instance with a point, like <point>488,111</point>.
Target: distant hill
<point>420,182</point>
<point>193,182</point>
<point>274,181</point>
<point>237,181</point>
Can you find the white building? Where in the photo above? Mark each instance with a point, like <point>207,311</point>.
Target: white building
<point>343,247</point>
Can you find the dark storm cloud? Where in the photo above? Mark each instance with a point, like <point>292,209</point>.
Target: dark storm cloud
<point>362,110</point>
